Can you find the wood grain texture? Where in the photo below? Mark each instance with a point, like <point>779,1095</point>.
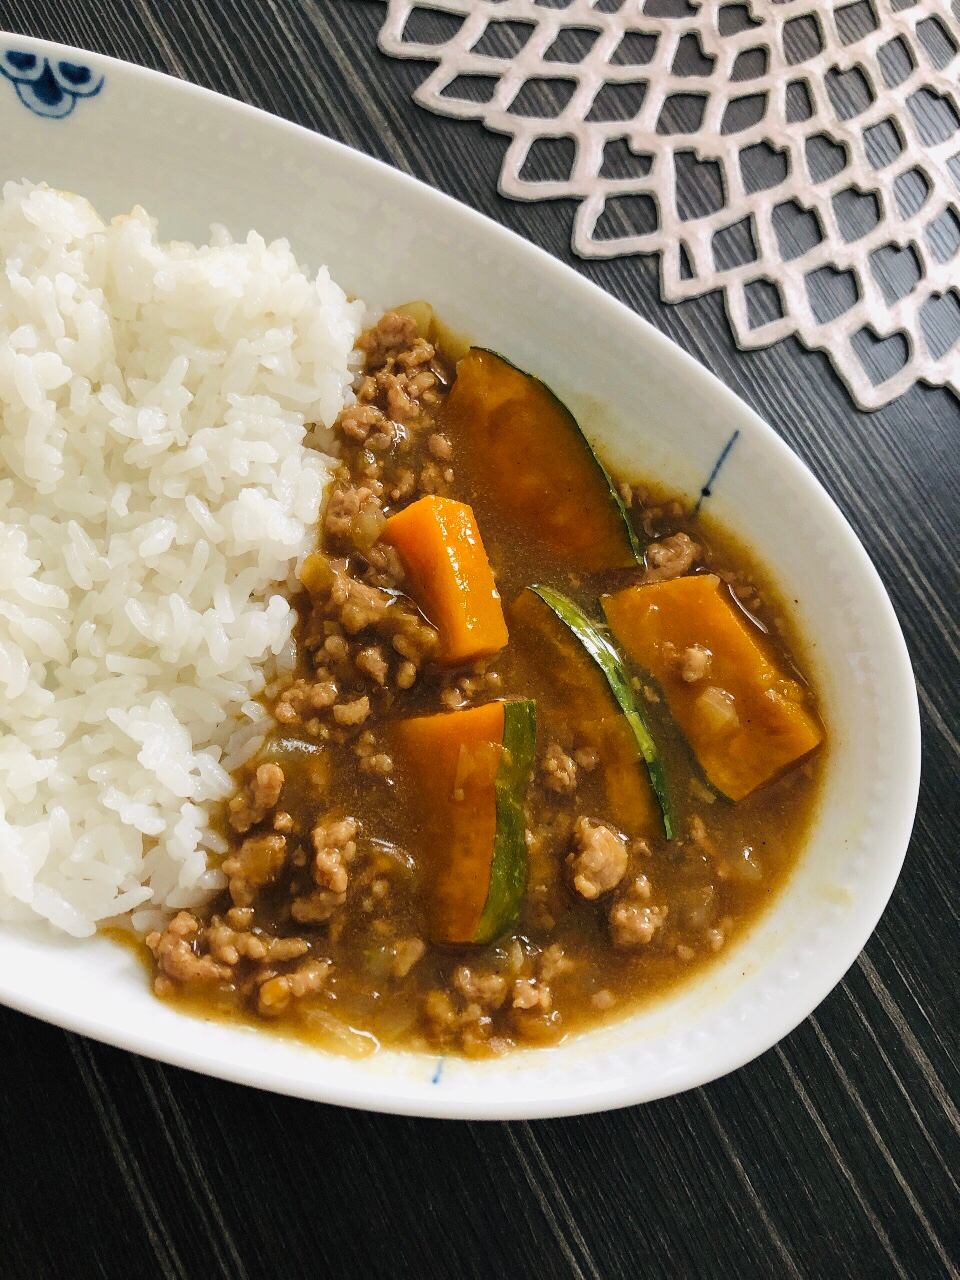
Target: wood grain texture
<point>835,1155</point>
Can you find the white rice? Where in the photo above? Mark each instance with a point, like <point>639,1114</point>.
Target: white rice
<point>158,486</point>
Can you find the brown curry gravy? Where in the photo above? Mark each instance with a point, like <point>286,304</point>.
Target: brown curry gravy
<point>712,890</point>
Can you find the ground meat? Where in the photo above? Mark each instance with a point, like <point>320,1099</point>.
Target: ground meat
<point>351,713</point>
<point>258,862</point>
<point>371,662</point>
<point>358,420</point>
<point>439,1009</point>
<point>176,957</point>
<point>599,861</point>
<point>470,1026</point>
<point>316,907</point>
<point>358,605</point>
<point>336,648</point>
<point>632,922</point>
<point>694,663</point>
<point>553,962</point>
<point>257,798</point>
<point>355,516</point>
<point>304,698</point>
<point>401,380</point>
<point>229,946</point>
<point>657,517</point>
<point>378,763</point>
<point>461,688</point>
<point>530,994</point>
<point>454,698</point>
<point>190,954</point>
<point>560,770</point>
<point>670,558</point>
<point>372,760</point>
<point>488,990</point>
<point>633,925</point>
<point>334,853</point>
<point>402,406</point>
<point>384,567</point>
<point>435,479</point>
<point>353,607</point>
<point>406,953</point>
<point>391,334</point>
<point>335,845</point>
<point>277,992</point>
<point>640,888</point>
<point>415,639</point>
<point>404,484</point>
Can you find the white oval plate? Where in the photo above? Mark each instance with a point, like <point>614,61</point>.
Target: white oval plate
<point>121,136</point>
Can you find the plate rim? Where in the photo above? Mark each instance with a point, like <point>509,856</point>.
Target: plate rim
<point>593,1096</point>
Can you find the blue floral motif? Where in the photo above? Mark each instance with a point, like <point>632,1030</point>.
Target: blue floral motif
<point>48,88</point>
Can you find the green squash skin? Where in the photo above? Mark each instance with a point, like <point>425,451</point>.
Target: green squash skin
<point>508,871</point>
<point>608,659</point>
<point>612,489</point>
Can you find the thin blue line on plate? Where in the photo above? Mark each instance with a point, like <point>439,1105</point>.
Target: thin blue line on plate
<point>724,455</point>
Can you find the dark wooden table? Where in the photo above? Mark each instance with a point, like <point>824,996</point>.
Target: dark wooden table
<point>836,1154</point>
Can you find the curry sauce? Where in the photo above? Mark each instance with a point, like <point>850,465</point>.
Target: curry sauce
<point>349,826</point>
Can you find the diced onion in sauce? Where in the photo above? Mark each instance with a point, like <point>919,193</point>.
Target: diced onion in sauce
<point>745,867</point>
<point>421,313</point>
<point>718,711</point>
<point>368,525</point>
<point>315,573</point>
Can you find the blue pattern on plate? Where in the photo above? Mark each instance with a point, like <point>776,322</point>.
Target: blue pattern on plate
<point>45,87</point>
<point>724,455</point>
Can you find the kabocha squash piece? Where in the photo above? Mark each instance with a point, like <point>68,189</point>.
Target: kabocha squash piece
<point>744,719</point>
<point>471,770</point>
<point>600,707</point>
<point>525,446</point>
<point>449,576</point>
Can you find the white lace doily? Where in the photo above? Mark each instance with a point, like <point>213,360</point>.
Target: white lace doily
<point>804,157</point>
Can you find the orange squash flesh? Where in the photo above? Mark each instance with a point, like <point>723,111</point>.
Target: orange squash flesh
<point>454,758</point>
<point>590,712</point>
<point>449,576</point>
<point>526,446</point>
<point>745,720</point>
